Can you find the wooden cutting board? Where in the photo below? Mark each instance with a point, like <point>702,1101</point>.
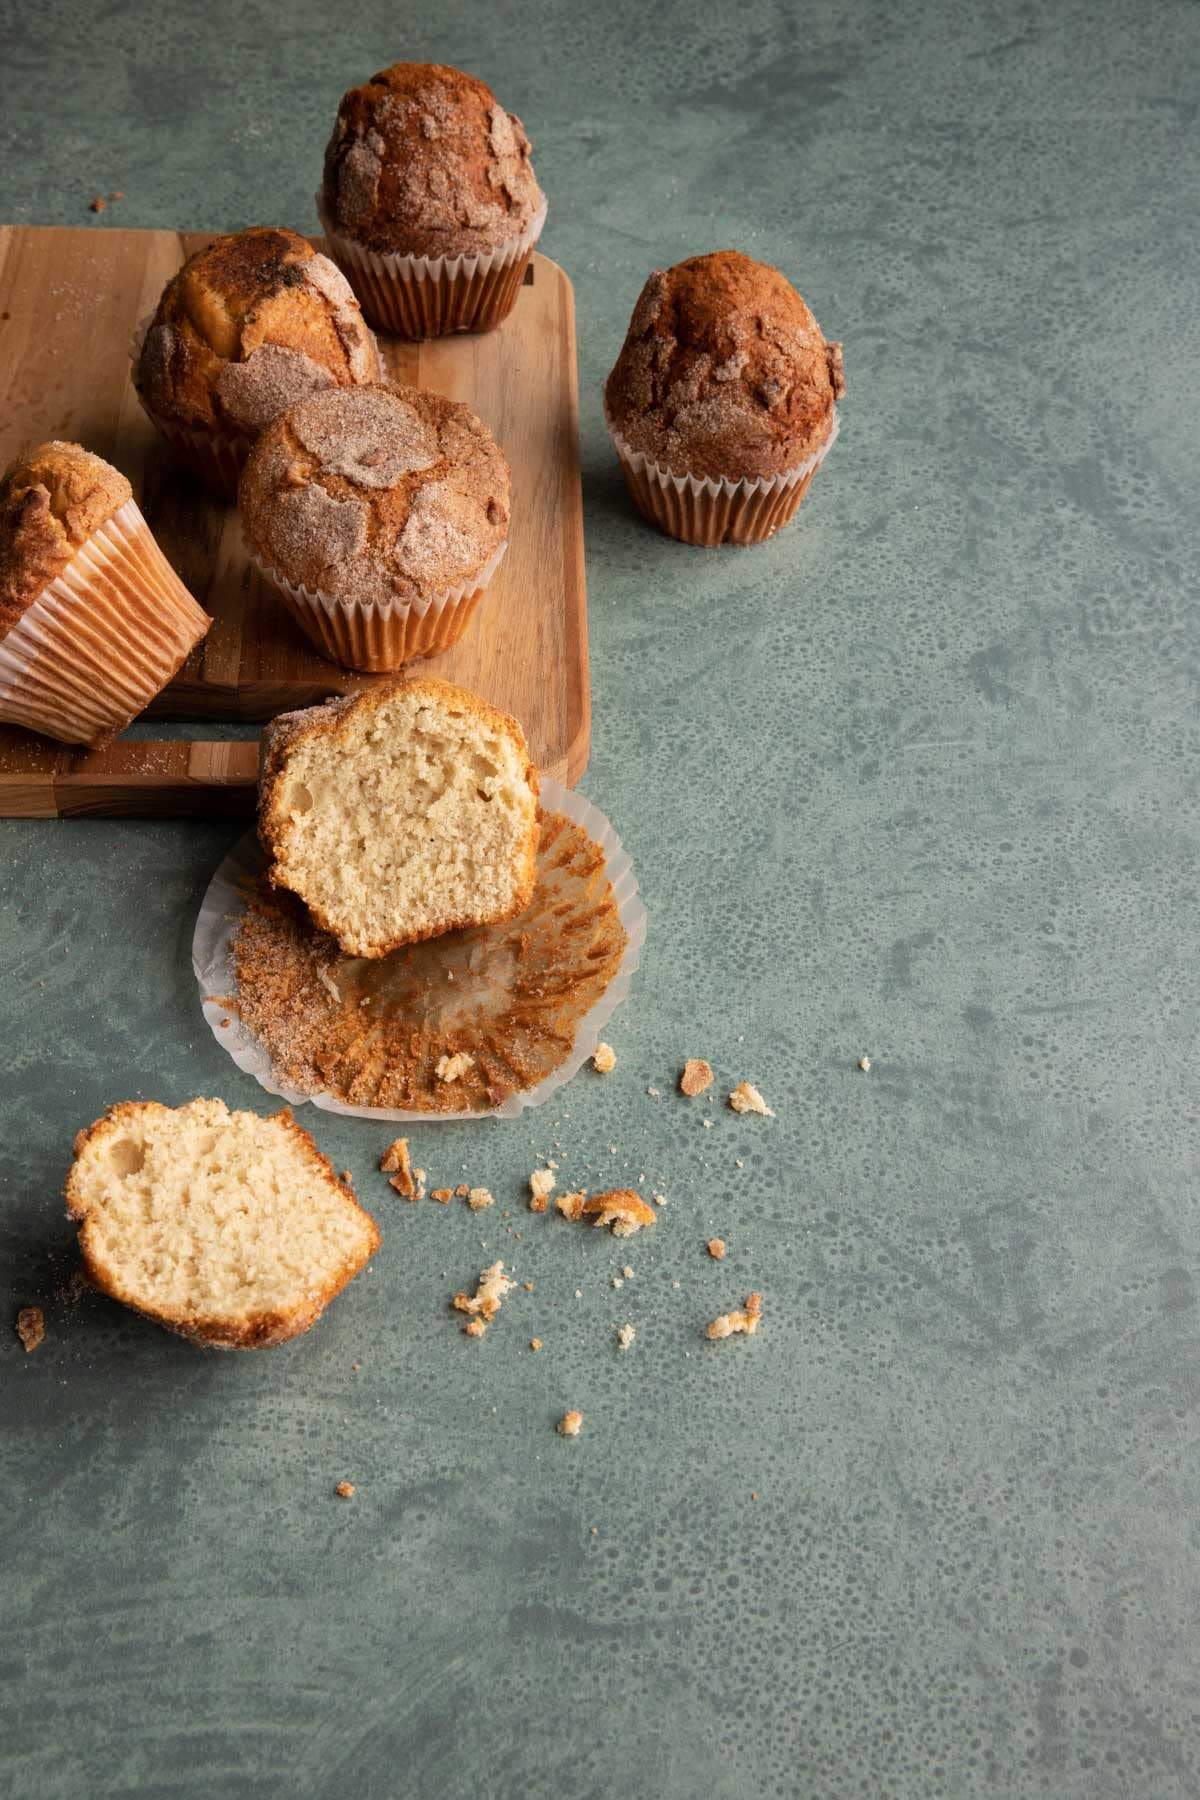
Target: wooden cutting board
<point>69,302</point>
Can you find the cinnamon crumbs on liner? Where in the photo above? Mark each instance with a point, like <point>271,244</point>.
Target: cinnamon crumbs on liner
<point>746,1320</point>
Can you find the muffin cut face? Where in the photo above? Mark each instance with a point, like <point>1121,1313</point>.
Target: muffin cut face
<point>249,326</point>
<point>405,811</point>
<point>724,372</point>
<point>424,161</point>
<point>376,494</point>
<point>226,1227</point>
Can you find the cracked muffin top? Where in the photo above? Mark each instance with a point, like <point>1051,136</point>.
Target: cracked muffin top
<point>52,499</point>
<point>248,326</point>
<point>375,494</point>
<point>724,371</point>
<point>424,161</point>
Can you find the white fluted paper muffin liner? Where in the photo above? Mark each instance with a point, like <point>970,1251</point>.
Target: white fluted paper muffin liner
<point>432,296</point>
<point>223,909</point>
<point>706,510</point>
<point>101,639</point>
<point>378,635</point>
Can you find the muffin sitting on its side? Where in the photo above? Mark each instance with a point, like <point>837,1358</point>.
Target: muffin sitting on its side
<point>94,620</point>
<point>249,325</point>
<point>721,403</point>
<point>231,1229</point>
<point>429,202</point>
<point>399,813</point>
<point>380,513</point>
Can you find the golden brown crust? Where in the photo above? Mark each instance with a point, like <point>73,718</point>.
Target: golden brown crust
<point>256,1331</point>
<point>386,493</point>
<point>724,372</point>
<point>334,719</point>
<point>247,327</point>
<point>424,161</point>
<point>52,499</point>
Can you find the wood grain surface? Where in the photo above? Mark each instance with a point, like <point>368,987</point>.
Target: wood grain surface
<point>69,303</point>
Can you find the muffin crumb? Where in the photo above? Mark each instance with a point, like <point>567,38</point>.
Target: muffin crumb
<point>570,1205</point>
<point>483,1305</point>
<point>716,1249</point>
<point>571,1424</point>
<point>696,1078</point>
<point>443,1196</point>
<point>625,1336</point>
<point>541,1186</point>
<point>345,1490</point>
<point>745,1320</point>
<point>479,1197</point>
<point>864,1063</point>
<point>622,1209</point>
<point>747,1099</point>
<point>31,1327</point>
<point>535,1343</point>
<point>604,1060</point>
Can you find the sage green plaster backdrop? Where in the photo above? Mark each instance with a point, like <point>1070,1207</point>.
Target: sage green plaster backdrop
<point>920,779</point>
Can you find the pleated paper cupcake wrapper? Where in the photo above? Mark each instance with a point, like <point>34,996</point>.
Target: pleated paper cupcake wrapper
<point>216,457</point>
<point>380,635</point>
<point>223,909</point>
<point>101,639</point>
<point>433,296</point>
<point>703,510</point>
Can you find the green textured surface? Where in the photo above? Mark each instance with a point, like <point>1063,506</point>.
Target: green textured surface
<point>918,778</point>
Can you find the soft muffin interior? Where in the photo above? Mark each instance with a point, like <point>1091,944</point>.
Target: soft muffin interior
<point>200,1213</point>
<point>407,819</point>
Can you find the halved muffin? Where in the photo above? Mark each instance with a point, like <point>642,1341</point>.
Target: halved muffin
<point>399,813</point>
<point>225,1227</point>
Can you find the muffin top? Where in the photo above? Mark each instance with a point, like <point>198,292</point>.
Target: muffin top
<point>249,326</point>
<point>376,494</point>
<point>51,501</point>
<point>424,161</point>
<point>724,371</point>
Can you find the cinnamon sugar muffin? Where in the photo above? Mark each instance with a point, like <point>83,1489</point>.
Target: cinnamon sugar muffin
<point>429,202</point>
<point>380,513</point>
<point>248,326</point>
<point>721,403</point>
<point>94,620</point>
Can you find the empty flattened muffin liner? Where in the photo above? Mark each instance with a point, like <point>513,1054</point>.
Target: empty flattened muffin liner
<point>101,639</point>
<point>377,635</point>
<point>432,296</point>
<point>703,510</point>
<point>528,999</point>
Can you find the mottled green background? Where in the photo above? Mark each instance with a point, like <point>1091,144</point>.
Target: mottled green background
<point>918,778</point>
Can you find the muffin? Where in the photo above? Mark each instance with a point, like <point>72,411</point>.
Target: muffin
<point>721,403</point>
<point>230,1229</point>
<point>94,620</point>
<point>380,513</point>
<point>246,328</point>
<point>400,813</point>
<point>429,202</point>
